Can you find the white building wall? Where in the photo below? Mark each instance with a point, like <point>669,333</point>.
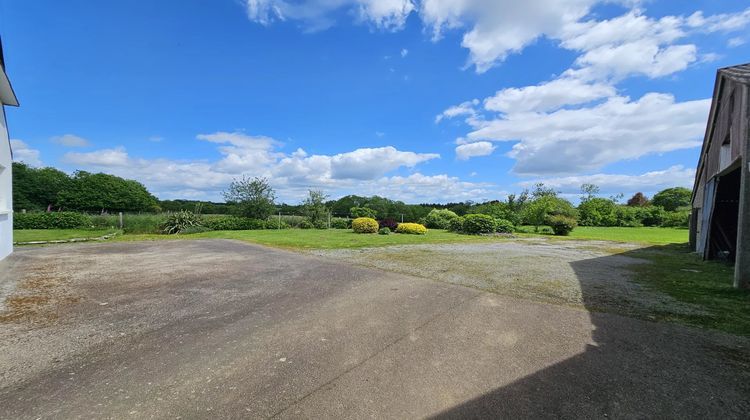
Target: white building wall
<point>6,185</point>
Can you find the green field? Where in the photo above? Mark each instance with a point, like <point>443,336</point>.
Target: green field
<point>639,235</point>
<point>32,235</point>
<point>321,239</point>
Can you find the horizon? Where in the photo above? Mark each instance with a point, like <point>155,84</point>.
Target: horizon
<point>420,102</point>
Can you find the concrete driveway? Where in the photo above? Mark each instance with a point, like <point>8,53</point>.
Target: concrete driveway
<point>223,329</point>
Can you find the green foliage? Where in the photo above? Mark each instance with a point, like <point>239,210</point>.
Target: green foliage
<point>500,210</point>
<point>411,229</point>
<point>143,223</point>
<point>456,225</point>
<point>504,226</point>
<point>105,193</point>
<point>652,215</point>
<point>356,212</point>
<point>340,223</point>
<point>476,224</point>
<point>315,209</point>
<point>561,225</point>
<point>227,222</point>
<point>597,212</point>
<point>194,229</point>
<point>202,207</point>
<point>251,197</point>
<point>535,213</point>
<point>383,207</point>
<point>439,219</point>
<point>364,225</point>
<point>672,198</point>
<point>638,200</point>
<point>179,221</point>
<point>51,220</point>
<point>679,219</point>
<point>628,216</point>
<point>37,188</point>
<point>384,231</point>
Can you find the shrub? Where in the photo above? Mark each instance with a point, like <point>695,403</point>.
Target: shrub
<point>339,223</point>
<point>365,225</point>
<point>226,222</point>
<point>56,220</point>
<point>357,212</point>
<point>411,229</point>
<point>439,219</point>
<point>143,223</point>
<point>476,224</point>
<point>598,212</point>
<point>389,223</point>
<point>384,231</point>
<point>561,225</point>
<point>652,215</point>
<point>179,221</point>
<point>195,229</point>
<point>679,219</point>
<point>628,216</point>
<point>456,225</point>
<point>306,224</point>
<point>504,226</point>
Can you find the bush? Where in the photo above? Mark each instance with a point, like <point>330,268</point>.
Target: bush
<point>439,219</point>
<point>411,229</point>
<point>598,212</point>
<point>629,216</point>
<point>652,215</point>
<point>339,223</point>
<point>179,221</point>
<point>456,225</point>
<point>384,231</point>
<point>678,219</point>
<point>476,224</point>
<point>357,212</point>
<point>504,226</point>
<point>56,220</point>
<point>143,223</point>
<point>365,225</point>
<point>389,223</point>
<point>226,222</point>
<point>306,224</point>
<point>195,229</point>
<point>561,225</point>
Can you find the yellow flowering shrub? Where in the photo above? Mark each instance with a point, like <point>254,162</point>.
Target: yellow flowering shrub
<point>365,225</point>
<point>411,228</point>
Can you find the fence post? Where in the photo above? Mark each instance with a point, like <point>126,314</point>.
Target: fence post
<point>279,220</point>
<point>329,220</point>
<point>402,217</point>
<point>120,217</point>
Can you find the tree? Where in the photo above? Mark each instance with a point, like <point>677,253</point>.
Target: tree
<point>356,212</point>
<point>37,188</point>
<point>672,198</point>
<point>536,212</point>
<point>314,208</point>
<point>540,190</point>
<point>251,197</point>
<point>589,191</point>
<point>103,192</point>
<point>597,212</point>
<point>638,200</point>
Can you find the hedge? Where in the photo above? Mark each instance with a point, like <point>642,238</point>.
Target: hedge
<point>411,228</point>
<point>365,225</point>
<point>54,220</point>
<point>224,222</point>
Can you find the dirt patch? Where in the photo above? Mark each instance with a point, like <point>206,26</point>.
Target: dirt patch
<point>587,274</point>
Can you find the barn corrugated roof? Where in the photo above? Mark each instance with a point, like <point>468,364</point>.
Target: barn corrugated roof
<point>740,73</point>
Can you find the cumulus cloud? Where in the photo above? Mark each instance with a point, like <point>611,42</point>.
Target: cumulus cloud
<point>242,154</point>
<point>467,108</point>
<point>547,96</point>
<point>470,150</point>
<point>23,153</point>
<point>70,140</point>
<point>588,138</point>
<point>648,182</point>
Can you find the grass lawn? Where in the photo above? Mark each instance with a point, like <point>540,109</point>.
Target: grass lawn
<point>640,235</point>
<point>30,235</point>
<point>684,276</point>
<point>321,239</point>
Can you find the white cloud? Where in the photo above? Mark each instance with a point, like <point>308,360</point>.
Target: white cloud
<point>317,14</point>
<point>648,182</point>
<point>156,139</point>
<point>242,154</point>
<point>725,22</point>
<point>23,153</point>
<point>104,157</point>
<point>404,52</point>
<point>588,138</point>
<point>470,150</point>
<point>736,42</point>
<point>466,108</point>
<point>70,140</point>
<point>548,96</point>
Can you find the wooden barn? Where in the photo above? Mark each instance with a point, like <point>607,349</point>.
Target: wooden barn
<point>720,221</point>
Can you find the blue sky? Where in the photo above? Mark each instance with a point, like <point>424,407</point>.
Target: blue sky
<point>424,101</point>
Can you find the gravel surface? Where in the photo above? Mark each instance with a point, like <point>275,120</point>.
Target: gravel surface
<point>223,329</point>
<point>588,274</point>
